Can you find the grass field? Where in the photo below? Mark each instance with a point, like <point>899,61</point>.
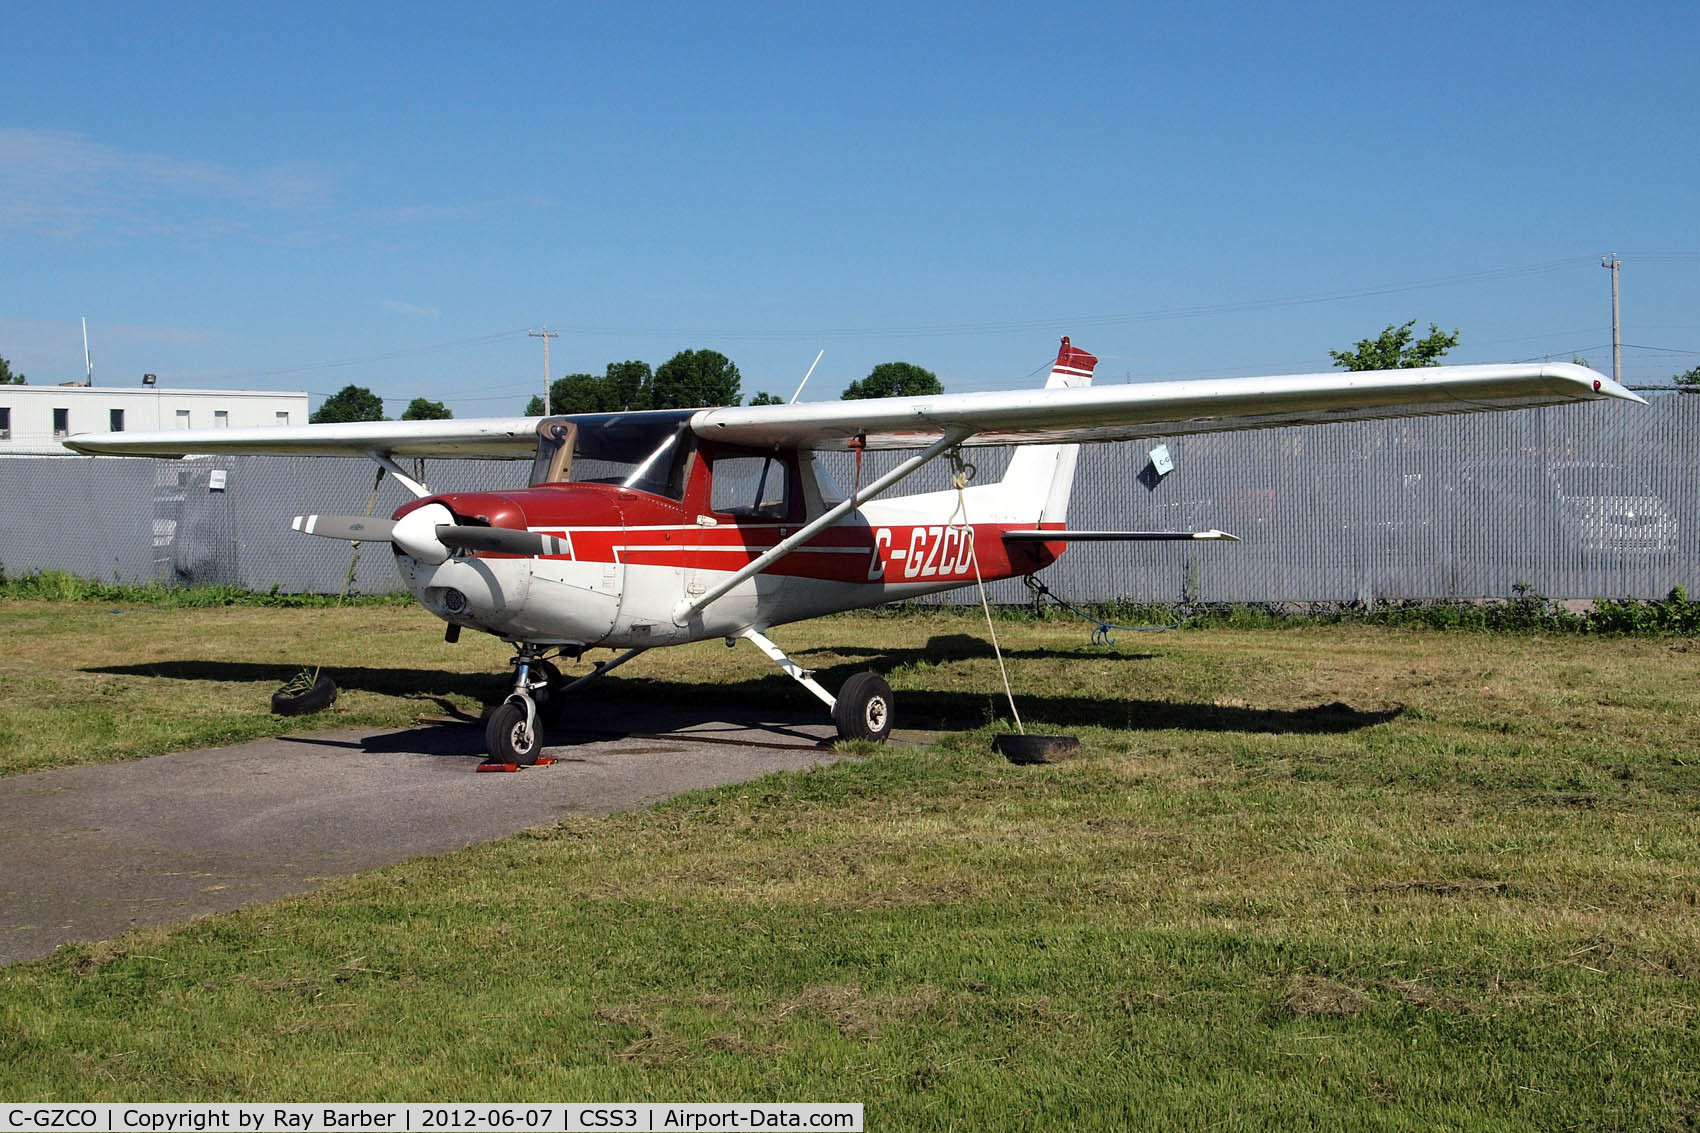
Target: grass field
<point>1332,876</point>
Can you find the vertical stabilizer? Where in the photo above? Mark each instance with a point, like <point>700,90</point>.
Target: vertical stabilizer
<point>1040,477</point>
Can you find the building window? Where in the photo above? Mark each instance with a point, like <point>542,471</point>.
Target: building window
<point>115,422</point>
<point>221,418</point>
<point>5,424</point>
<point>182,418</point>
<point>61,423</point>
<point>283,417</point>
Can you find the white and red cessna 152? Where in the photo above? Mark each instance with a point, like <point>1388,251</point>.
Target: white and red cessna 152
<point>663,527</point>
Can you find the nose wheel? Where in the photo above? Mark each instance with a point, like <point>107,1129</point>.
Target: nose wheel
<point>513,735</point>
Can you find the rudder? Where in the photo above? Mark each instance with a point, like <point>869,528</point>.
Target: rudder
<point>1040,478</point>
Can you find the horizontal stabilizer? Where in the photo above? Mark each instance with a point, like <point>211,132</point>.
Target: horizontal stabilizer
<point>1036,536</point>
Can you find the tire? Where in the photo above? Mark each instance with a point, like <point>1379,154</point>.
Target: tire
<point>1035,749</point>
<point>865,709</point>
<point>316,699</point>
<point>506,737</point>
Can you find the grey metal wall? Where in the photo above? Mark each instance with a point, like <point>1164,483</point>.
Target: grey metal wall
<point>1583,501</point>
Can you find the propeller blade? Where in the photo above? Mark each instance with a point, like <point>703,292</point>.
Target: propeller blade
<point>502,540</point>
<point>356,528</point>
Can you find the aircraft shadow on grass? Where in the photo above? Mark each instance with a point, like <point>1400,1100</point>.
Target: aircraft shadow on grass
<point>967,647</point>
<point>773,698</point>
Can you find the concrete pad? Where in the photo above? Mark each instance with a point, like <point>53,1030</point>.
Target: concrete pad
<point>93,851</point>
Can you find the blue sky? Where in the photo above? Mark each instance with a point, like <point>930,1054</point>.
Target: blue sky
<point>304,196</point>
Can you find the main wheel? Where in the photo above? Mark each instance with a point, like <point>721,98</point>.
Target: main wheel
<point>864,709</point>
<point>507,738</point>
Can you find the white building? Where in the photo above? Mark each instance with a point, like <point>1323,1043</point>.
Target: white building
<point>34,419</point>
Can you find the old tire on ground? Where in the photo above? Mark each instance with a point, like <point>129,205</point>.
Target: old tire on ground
<point>1035,749</point>
<point>864,709</point>
<point>316,699</point>
<point>508,740</point>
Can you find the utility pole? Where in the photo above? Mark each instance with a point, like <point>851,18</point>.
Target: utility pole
<point>546,334</point>
<point>1611,261</point>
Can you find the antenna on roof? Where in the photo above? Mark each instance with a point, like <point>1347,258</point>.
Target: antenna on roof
<point>88,366</point>
<point>805,380</point>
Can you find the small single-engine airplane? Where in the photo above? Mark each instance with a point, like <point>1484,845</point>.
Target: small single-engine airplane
<point>675,525</point>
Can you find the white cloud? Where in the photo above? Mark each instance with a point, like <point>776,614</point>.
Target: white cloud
<point>64,183</point>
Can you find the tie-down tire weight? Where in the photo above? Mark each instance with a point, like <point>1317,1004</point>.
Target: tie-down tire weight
<point>864,708</point>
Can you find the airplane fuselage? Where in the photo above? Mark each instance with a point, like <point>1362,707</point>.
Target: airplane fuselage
<point>625,559</point>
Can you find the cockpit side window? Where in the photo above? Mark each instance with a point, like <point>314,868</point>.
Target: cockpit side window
<point>752,485</point>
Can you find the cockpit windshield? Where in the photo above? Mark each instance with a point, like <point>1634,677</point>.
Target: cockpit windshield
<point>648,452</point>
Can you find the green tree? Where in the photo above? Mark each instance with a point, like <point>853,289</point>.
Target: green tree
<point>1688,379</point>
<point>627,386</point>
<point>7,377</point>
<point>1393,349</point>
<point>767,399</point>
<point>895,379</point>
<point>570,393</point>
<point>421,410</point>
<point>350,403</point>
<point>695,379</point>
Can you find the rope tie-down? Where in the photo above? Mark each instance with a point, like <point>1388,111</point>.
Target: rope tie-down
<point>1017,746</point>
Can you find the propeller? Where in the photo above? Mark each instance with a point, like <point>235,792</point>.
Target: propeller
<point>356,528</point>
<point>503,540</point>
<point>428,539</point>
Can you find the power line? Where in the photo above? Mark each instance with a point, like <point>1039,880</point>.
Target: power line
<point>1157,315</point>
<point>409,352</point>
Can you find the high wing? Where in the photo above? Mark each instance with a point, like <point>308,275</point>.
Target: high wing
<point>1109,413</point>
<point>493,438</point>
<point>1047,416</point>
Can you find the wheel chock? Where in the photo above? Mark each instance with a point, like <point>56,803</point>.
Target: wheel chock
<point>492,765</point>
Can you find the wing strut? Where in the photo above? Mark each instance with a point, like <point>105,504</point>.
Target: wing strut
<point>394,469</point>
<point>683,611</point>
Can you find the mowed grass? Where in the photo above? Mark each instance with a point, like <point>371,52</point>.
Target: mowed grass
<point>1336,876</point>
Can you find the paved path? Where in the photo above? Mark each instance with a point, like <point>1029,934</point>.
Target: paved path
<point>89,852</point>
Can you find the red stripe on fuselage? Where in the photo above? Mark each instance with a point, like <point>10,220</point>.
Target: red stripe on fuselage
<point>875,554</point>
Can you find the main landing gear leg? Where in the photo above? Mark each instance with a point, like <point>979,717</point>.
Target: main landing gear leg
<point>863,708</point>
<point>513,736</point>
